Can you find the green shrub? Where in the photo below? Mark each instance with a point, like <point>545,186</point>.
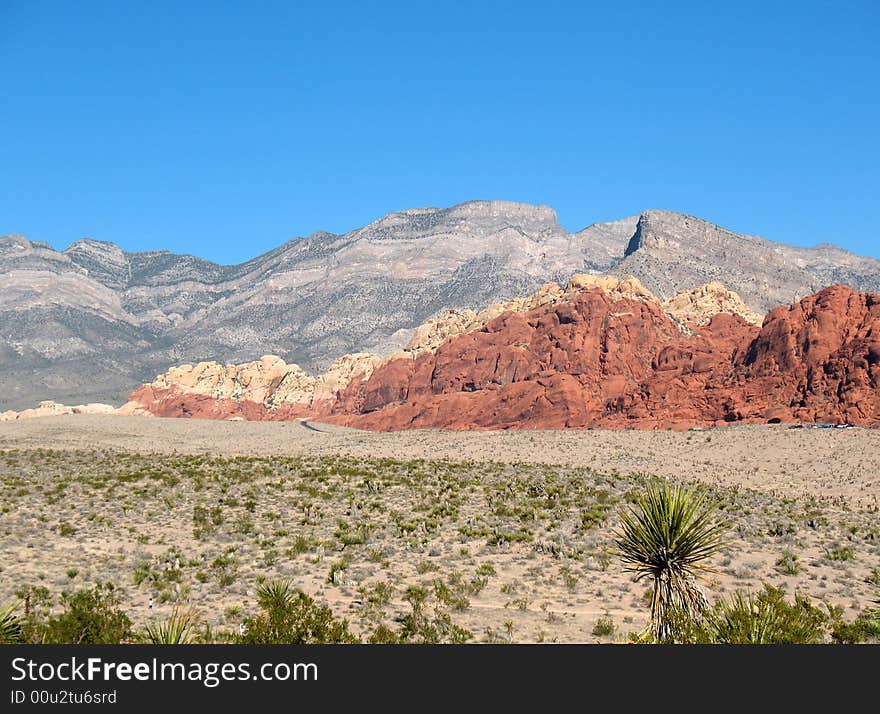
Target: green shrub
<point>11,626</point>
<point>604,627</point>
<point>765,618</point>
<point>865,628</point>
<point>178,629</point>
<point>300,545</point>
<point>384,635</point>
<point>65,529</point>
<point>289,616</point>
<point>788,563</point>
<point>451,597</point>
<point>843,553</point>
<point>89,617</point>
<point>334,577</point>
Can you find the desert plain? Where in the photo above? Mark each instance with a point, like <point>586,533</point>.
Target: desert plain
<point>510,534</point>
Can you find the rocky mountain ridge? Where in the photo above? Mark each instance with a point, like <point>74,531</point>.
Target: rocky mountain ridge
<point>601,353</point>
<point>91,322</point>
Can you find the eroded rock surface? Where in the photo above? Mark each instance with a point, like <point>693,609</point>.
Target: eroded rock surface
<point>601,352</point>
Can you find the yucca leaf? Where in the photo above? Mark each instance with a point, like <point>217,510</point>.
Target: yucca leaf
<point>176,630</point>
<point>11,629</point>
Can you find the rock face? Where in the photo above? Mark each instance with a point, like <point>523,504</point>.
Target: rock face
<point>700,305</point>
<point>818,360</point>
<point>434,332</point>
<point>91,322</point>
<point>670,252</point>
<point>593,361</point>
<point>590,361</point>
<point>49,408</point>
<point>272,389</point>
<point>602,353</point>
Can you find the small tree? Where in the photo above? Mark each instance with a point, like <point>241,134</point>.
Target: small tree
<point>666,536</point>
<point>420,627</point>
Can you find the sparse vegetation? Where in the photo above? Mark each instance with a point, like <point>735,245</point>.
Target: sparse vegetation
<point>503,551</point>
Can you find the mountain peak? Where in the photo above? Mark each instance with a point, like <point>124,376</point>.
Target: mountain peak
<point>505,209</point>
<point>479,214</point>
<point>92,244</point>
<point>102,261</point>
<point>13,243</point>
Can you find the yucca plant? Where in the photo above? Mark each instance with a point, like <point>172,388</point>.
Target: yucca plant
<point>11,628</point>
<point>275,594</point>
<point>666,536</point>
<point>289,616</point>
<point>178,629</point>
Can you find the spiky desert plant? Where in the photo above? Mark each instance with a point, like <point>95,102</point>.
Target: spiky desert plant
<point>665,536</point>
<point>11,629</point>
<point>275,594</point>
<point>289,616</point>
<point>178,629</point>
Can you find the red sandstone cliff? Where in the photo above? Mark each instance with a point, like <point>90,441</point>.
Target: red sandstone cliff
<point>596,362</point>
<point>594,358</point>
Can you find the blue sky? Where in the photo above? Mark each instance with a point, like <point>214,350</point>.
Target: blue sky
<point>224,129</point>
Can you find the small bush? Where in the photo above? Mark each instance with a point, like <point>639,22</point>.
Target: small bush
<point>788,563</point>
<point>66,530</point>
<point>90,617</point>
<point>844,553</point>
<point>765,618</point>
<point>604,627</point>
<point>289,616</point>
<point>864,629</point>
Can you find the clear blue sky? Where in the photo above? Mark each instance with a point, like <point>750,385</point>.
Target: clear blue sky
<point>225,128</point>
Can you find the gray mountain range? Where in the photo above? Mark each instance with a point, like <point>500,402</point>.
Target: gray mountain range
<point>92,322</point>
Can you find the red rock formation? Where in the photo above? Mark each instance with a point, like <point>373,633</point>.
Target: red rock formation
<point>171,402</point>
<point>589,361</point>
<point>611,362</point>
<point>594,362</point>
<point>818,360</point>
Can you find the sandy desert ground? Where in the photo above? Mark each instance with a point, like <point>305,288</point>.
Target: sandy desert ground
<point>509,532</point>
<point>818,463</point>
